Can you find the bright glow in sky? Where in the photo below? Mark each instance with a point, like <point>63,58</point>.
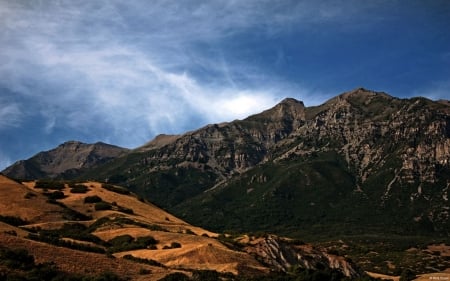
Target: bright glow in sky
<point>124,71</point>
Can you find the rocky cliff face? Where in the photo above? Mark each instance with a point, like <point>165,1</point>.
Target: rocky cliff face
<point>284,255</point>
<point>67,160</point>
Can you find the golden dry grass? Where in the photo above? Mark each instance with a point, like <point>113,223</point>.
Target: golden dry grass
<point>80,262</point>
<point>443,249</point>
<point>383,276</point>
<point>198,251</point>
<point>35,209</point>
<point>440,276</point>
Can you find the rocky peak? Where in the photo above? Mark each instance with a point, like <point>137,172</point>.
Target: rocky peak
<point>288,109</point>
<point>65,160</point>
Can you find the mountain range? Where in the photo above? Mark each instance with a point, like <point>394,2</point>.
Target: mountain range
<point>362,160</point>
<point>363,168</point>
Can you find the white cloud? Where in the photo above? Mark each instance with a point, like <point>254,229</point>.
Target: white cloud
<point>125,71</point>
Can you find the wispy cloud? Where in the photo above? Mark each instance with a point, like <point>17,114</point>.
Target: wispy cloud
<point>80,68</point>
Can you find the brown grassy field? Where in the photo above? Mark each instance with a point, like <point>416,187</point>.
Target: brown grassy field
<point>14,202</point>
<point>199,248</point>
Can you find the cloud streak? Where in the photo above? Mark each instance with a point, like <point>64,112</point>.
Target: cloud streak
<point>84,76</point>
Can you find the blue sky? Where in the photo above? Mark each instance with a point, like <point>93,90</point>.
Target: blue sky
<point>124,71</point>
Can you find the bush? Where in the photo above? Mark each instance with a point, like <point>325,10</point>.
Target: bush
<point>115,189</point>
<point>102,206</point>
<point>79,188</point>
<point>15,221</point>
<point>16,259</point>
<point>92,199</point>
<point>29,195</point>
<point>127,243</point>
<point>173,245</point>
<point>125,210</point>
<point>55,195</point>
<point>49,184</point>
<point>144,261</point>
<point>176,276</point>
<point>205,275</point>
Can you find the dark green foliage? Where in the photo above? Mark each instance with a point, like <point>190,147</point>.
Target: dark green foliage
<point>54,239</point>
<point>70,214</point>
<point>116,189</point>
<point>144,261</point>
<point>12,220</point>
<point>76,231</point>
<point>123,221</point>
<point>55,195</point>
<point>30,195</point>
<point>16,259</point>
<point>176,276</point>
<point>22,267</point>
<point>125,210</point>
<point>124,243</point>
<point>92,199</point>
<point>49,184</point>
<point>205,275</point>
<point>407,275</point>
<point>78,188</point>
<point>102,206</point>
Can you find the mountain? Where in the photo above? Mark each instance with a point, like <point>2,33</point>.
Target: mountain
<point>363,161</point>
<point>76,231</point>
<point>66,161</point>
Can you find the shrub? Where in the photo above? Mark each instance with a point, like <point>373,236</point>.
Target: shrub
<point>115,189</point>
<point>49,184</point>
<point>55,195</point>
<point>102,206</point>
<point>125,210</point>
<point>121,240</point>
<point>144,261</point>
<point>79,188</point>
<point>173,245</point>
<point>92,199</point>
<point>16,221</point>
<point>176,276</point>
<point>127,243</point>
<point>16,259</point>
<point>29,195</point>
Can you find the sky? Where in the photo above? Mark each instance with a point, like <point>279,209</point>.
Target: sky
<point>122,72</point>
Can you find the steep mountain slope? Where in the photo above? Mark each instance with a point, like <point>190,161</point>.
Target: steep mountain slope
<point>67,160</point>
<point>362,161</point>
<point>112,230</point>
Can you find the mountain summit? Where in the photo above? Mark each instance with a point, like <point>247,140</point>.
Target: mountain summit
<point>66,161</point>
